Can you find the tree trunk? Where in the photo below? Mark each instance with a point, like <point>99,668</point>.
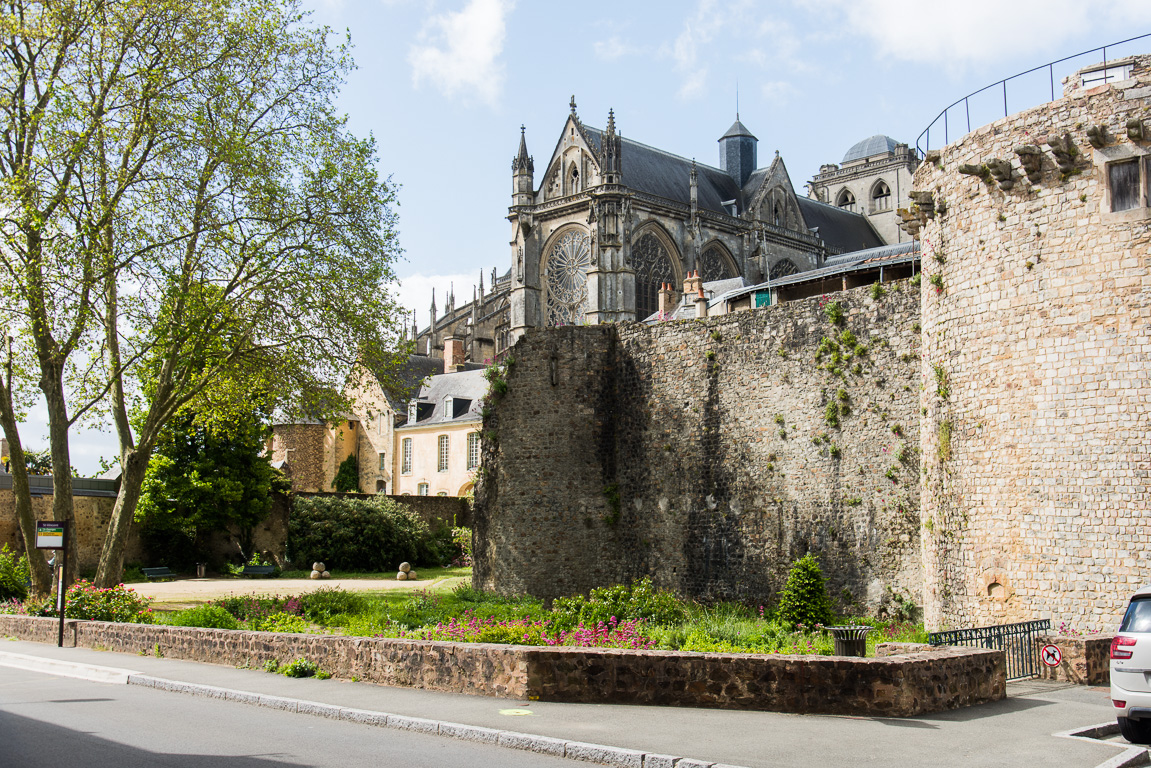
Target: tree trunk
<point>133,463</point>
<point>38,566</point>
<point>51,384</point>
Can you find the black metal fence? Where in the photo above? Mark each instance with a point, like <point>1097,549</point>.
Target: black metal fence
<point>1027,98</point>
<point>1017,641</point>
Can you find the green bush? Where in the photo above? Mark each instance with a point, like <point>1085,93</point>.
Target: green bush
<point>461,547</point>
<point>84,600</point>
<point>206,616</point>
<point>351,534</point>
<point>14,575</point>
<point>280,622</point>
<point>347,476</point>
<point>641,600</point>
<point>804,598</point>
<point>320,606</point>
<point>303,668</point>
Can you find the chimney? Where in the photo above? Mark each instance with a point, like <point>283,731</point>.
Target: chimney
<point>700,304</point>
<point>453,354</point>
<point>667,301</point>
<point>692,283</point>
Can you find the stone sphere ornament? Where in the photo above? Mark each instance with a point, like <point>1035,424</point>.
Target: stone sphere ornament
<point>325,575</point>
<point>412,575</point>
<point>401,576</point>
<point>405,567</point>
<point>318,567</point>
<point>314,575</point>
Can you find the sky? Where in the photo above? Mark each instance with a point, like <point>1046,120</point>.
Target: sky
<point>444,86</point>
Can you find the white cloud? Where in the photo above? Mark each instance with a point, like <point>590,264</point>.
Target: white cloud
<point>952,35</point>
<point>458,52</point>
<point>613,49</point>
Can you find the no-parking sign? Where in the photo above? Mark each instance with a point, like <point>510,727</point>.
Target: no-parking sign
<point>1051,655</point>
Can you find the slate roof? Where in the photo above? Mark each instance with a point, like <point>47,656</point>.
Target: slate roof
<point>468,385</point>
<point>872,145</point>
<point>886,255</point>
<point>663,174</point>
<point>737,129</point>
<point>842,230</point>
<point>715,291</point>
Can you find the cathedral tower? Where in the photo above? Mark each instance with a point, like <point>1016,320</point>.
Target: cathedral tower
<point>737,152</point>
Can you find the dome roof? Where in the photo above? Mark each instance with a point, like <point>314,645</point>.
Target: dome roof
<point>873,145</point>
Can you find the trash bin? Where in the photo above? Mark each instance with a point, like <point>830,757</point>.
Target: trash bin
<point>850,640</point>
<point>201,567</point>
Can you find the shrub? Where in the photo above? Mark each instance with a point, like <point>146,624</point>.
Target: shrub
<point>206,616</point>
<point>804,598</point>
<point>347,478</point>
<point>834,312</point>
<point>256,607</point>
<point>641,600</point>
<point>280,622</point>
<point>375,534</point>
<point>14,575</point>
<point>320,606</point>
<point>84,600</point>
<point>303,668</point>
<point>462,543</point>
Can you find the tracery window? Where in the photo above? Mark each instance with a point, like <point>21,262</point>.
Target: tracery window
<point>713,265</point>
<point>880,197</point>
<point>567,266</point>
<point>652,269</point>
<point>846,200</point>
<point>783,268</point>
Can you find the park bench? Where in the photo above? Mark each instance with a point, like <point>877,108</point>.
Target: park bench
<point>162,572</point>
<point>258,570</point>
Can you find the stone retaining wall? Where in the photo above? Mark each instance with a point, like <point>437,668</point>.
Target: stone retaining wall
<point>1086,659</point>
<point>894,686</point>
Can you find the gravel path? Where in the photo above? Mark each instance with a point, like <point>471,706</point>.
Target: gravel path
<point>199,590</point>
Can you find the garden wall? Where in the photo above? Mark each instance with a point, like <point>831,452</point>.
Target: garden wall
<point>1086,659</point>
<point>892,686</point>
<point>92,516</point>
<point>699,452</point>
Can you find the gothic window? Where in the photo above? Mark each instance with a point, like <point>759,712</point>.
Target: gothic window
<point>783,268</point>
<point>777,215</point>
<point>652,269</point>
<point>568,263</point>
<point>573,180</point>
<point>713,265</point>
<point>846,200</point>
<point>880,196</point>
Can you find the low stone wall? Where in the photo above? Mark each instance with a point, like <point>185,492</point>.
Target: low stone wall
<point>1086,658</point>
<point>904,685</point>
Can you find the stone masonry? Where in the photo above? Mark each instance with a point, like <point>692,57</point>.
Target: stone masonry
<point>1036,311</point>
<point>710,454</point>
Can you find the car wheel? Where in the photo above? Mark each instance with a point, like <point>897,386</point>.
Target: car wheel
<point>1135,731</point>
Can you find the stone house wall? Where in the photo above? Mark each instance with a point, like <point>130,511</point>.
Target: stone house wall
<point>1036,337</point>
<point>302,447</point>
<point>699,452</point>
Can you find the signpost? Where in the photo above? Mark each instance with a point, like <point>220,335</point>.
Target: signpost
<point>1051,655</point>
<point>53,534</point>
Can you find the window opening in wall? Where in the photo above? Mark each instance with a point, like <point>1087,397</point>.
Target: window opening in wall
<point>422,489</point>
<point>846,200</point>
<point>567,269</point>
<point>412,409</point>
<point>473,450</point>
<point>1124,181</point>
<point>443,454</point>
<point>449,412</point>
<point>406,460</point>
<point>652,269</point>
<point>383,463</point>
<point>713,265</point>
<point>783,268</point>
<point>1106,75</point>
<point>881,197</point>
<point>442,493</point>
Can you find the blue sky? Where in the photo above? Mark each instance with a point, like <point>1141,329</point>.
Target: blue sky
<point>444,86</point>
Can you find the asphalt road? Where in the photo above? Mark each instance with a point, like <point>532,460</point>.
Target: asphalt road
<point>48,721</point>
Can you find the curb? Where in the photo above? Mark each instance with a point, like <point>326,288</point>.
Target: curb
<point>572,750</point>
<point>1130,757</point>
<point>93,672</point>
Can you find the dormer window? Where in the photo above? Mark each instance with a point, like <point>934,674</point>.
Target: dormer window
<point>449,405</point>
<point>413,408</point>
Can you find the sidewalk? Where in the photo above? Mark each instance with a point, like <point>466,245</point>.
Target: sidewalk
<point>1014,732</point>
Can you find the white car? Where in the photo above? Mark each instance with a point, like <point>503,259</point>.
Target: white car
<point>1131,669</point>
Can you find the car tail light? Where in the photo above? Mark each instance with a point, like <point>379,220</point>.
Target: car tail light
<point>1117,646</point>
<point>1118,704</point>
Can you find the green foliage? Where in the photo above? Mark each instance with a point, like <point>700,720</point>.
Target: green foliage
<point>14,575</point>
<point>640,600</point>
<point>347,478</point>
<point>916,278</point>
<point>280,622</point>
<point>803,599</point>
<point>936,281</point>
<point>84,600</point>
<point>302,668</point>
<point>320,606</point>
<point>942,386</point>
<point>944,448</point>
<point>203,478</point>
<point>877,291</point>
<point>831,414</point>
<point>834,312</point>
<point>351,534</point>
<point>461,547</point>
<point>779,419</point>
<point>614,504</point>
<point>207,616</point>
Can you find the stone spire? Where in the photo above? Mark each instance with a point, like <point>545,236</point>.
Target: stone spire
<point>610,161</point>
<point>481,284</point>
<point>523,170</point>
<point>432,329</point>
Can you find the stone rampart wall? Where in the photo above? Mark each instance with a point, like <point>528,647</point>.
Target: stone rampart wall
<point>893,686</point>
<point>700,452</point>
<point>92,516</point>
<point>1036,311</point>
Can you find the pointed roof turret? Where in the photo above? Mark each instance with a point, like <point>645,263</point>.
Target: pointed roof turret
<point>523,161</point>
<point>737,129</point>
